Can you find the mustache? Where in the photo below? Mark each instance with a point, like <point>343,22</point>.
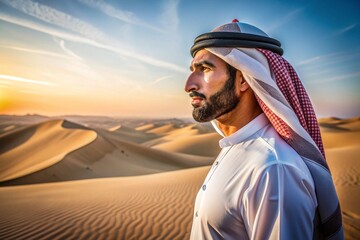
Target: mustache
<point>197,94</point>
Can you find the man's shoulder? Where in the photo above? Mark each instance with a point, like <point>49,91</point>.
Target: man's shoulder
<point>276,151</point>
<point>274,142</point>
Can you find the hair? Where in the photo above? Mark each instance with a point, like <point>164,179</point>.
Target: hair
<point>231,71</point>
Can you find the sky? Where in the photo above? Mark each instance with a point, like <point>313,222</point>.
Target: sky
<point>130,58</point>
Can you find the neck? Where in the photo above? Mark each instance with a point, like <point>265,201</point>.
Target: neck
<point>245,112</point>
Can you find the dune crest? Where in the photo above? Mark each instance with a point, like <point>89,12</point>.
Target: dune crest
<point>8,128</point>
<point>112,129</point>
<point>162,129</point>
<point>201,145</point>
<point>155,170</point>
<point>157,206</point>
<point>111,154</point>
<point>341,138</point>
<point>145,127</point>
<point>31,149</point>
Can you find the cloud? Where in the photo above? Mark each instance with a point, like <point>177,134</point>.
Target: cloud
<point>160,79</point>
<point>284,19</point>
<point>346,29</point>
<point>45,29</point>
<point>66,50</point>
<point>122,15</point>
<point>318,58</point>
<point>170,17</point>
<point>330,58</point>
<point>25,80</point>
<point>36,51</point>
<point>84,40</point>
<point>337,78</point>
<point>61,43</point>
<point>58,18</point>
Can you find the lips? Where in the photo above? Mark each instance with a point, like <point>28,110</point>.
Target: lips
<point>197,98</point>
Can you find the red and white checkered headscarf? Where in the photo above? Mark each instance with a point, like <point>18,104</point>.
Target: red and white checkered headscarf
<point>294,92</point>
<point>286,104</point>
<point>281,96</point>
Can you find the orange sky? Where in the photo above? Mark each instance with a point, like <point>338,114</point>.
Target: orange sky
<point>74,57</point>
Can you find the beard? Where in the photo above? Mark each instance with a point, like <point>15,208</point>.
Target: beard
<point>220,103</point>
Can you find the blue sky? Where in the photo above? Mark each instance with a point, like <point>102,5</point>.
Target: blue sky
<point>131,58</point>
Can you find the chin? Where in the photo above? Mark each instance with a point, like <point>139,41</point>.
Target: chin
<point>202,119</point>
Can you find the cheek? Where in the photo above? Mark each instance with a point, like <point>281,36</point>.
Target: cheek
<point>207,78</point>
<point>214,82</point>
<point>211,79</point>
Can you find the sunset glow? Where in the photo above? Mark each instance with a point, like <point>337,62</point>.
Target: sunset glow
<point>131,58</point>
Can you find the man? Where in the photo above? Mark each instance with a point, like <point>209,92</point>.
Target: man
<point>270,180</point>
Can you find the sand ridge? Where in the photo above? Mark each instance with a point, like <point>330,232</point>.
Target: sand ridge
<point>132,135</point>
<point>341,138</point>
<point>109,155</point>
<point>190,139</point>
<point>22,151</point>
<point>158,206</point>
<point>193,144</point>
<point>112,129</point>
<point>145,127</point>
<point>154,180</point>
<point>162,129</point>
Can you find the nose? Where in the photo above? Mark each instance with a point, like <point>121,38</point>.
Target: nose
<point>191,83</point>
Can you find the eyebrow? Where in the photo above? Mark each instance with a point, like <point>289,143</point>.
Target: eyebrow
<point>201,63</point>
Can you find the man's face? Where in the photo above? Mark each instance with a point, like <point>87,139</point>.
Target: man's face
<point>211,87</point>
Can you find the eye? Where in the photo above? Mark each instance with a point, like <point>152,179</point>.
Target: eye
<point>204,68</point>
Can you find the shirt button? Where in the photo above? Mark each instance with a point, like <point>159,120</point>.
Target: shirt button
<point>196,214</point>
<point>216,163</point>
<point>204,187</point>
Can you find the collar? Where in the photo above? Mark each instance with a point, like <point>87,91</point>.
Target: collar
<point>243,133</point>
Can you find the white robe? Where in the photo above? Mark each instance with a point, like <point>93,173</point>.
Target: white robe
<point>258,188</point>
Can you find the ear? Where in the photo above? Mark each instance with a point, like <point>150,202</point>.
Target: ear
<point>243,86</point>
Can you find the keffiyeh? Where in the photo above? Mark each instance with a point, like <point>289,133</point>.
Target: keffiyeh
<point>286,104</point>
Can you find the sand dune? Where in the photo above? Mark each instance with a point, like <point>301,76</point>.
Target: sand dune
<point>145,127</point>
<point>131,135</point>
<point>171,135</point>
<point>22,151</point>
<point>350,124</point>
<point>342,144</point>
<point>6,128</point>
<point>41,155</point>
<point>340,133</point>
<point>154,206</point>
<point>202,145</point>
<point>189,139</point>
<point>162,129</point>
<point>342,148</point>
<point>158,206</point>
<point>177,134</point>
<point>112,129</point>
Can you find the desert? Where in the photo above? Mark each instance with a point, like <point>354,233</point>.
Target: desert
<point>74,177</point>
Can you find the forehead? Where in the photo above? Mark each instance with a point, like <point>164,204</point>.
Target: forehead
<point>206,56</point>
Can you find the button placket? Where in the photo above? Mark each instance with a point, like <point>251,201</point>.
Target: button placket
<point>212,170</point>
<point>214,167</point>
